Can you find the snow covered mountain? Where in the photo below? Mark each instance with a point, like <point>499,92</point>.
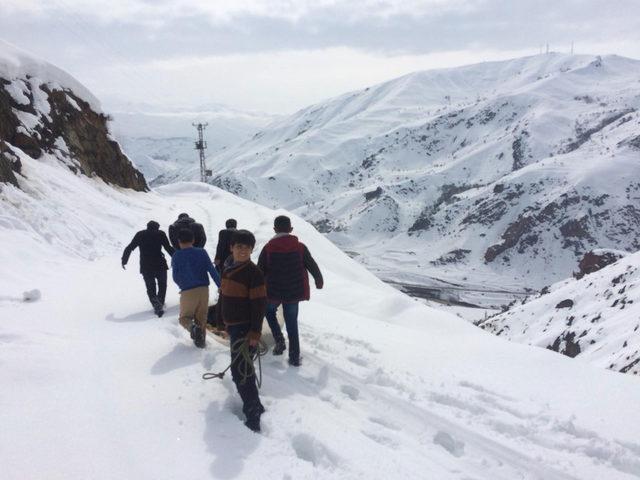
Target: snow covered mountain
<point>497,176</point>
<point>95,386</point>
<point>161,140</point>
<point>595,318</point>
<point>46,115</point>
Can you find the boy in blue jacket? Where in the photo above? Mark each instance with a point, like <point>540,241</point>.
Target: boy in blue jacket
<point>191,269</point>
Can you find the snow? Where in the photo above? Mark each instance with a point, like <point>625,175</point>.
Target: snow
<point>471,150</point>
<point>95,386</point>
<point>16,65</point>
<point>161,140</point>
<point>603,319</point>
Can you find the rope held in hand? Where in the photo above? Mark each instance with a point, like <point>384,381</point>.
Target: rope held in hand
<point>241,349</point>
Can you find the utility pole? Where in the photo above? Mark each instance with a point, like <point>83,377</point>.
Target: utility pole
<point>200,146</point>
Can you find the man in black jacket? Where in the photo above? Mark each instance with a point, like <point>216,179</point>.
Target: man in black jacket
<point>223,250</point>
<point>185,221</point>
<point>153,265</point>
<point>285,261</point>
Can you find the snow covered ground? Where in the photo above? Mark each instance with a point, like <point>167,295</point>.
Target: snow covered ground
<point>95,386</point>
<point>595,318</point>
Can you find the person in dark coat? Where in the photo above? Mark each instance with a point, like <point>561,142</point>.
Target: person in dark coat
<point>153,265</point>
<point>185,221</point>
<point>223,250</point>
<point>285,261</point>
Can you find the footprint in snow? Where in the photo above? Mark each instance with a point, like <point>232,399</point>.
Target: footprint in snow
<point>362,362</point>
<point>311,450</point>
<point>450,444</point>
<point>350,391</point>
<point>385,423</point>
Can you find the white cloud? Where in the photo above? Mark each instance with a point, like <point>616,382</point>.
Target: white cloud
<point>280,82</point>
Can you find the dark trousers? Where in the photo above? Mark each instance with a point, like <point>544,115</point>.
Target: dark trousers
<point>246,386</point>
<point>159,291</point>
<point>290,311</point>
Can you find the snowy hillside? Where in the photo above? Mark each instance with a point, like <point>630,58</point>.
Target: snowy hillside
<point>45,114</point>
<point>496,176</point>
<point>389,388</point>
<point>595,318</point>
<point>94,386</point>
<point>161,140</point>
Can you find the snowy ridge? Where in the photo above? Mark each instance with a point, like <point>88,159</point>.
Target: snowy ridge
<point>16,65</point>
<point>595,318</point>
<point>508,171</point>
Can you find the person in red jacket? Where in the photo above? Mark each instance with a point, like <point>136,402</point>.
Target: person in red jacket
<point>285,261</point>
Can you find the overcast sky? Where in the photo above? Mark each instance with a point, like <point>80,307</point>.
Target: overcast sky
<point>280,55</point>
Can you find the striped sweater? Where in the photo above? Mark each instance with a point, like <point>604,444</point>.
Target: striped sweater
<point>243,295</point>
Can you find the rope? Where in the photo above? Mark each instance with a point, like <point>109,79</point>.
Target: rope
<point>247,369</point>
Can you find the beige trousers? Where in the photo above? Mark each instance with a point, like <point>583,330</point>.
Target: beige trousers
<point>193,306</point>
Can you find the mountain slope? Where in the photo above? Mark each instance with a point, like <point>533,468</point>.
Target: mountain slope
<point>47,115</point>
<point>493,175</point>
<point>596,318</point>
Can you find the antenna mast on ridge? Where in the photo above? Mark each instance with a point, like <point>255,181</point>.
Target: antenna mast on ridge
<point>201,145</point>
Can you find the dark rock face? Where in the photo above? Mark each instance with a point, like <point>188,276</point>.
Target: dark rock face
<point>566,344</point>
<point>373,194</point>
<point>567,303</point>
<point>91,151</point>
<point>9,165</point>
<point>592,262</point>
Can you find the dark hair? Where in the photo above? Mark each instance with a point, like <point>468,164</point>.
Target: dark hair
<point>185,236</point>
<point>231,223</point>
<point>183,215</point>
<point>243,237</point>
<point>153,225</point>
<point>282,224</point>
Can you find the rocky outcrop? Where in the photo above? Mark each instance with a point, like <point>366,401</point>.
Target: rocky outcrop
<point>57,122</point>
<point>596,260</point>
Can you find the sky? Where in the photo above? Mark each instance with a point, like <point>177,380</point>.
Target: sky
<point>279,56</point>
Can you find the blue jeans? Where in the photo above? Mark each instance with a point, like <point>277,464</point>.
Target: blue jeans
<point>290,311</point>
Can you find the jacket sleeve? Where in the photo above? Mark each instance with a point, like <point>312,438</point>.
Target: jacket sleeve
<point>167,246</point>
<point>257,300</point>
<point>173,236</point>
<point>204,237</point>
<point>219,247</point>
<point>135,242</point>
<point>175,269</point>
<point>311,265</point>
<point>199,236</point>
<point>262,261</point>
<point>212,270</point>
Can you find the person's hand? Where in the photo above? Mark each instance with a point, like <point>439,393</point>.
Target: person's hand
<point>253,338</point>
<point>319,285</point>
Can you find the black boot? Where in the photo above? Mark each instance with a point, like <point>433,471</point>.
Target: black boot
<point>157,307</point>
<point>279,347</point>
<point>295,361</point>
<point>253,419</point>
<point>198,336</point>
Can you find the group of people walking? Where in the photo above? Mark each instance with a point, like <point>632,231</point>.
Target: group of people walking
<point>247,291</point>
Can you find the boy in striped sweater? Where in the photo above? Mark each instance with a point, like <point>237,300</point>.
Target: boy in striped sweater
<point>243,299</point>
